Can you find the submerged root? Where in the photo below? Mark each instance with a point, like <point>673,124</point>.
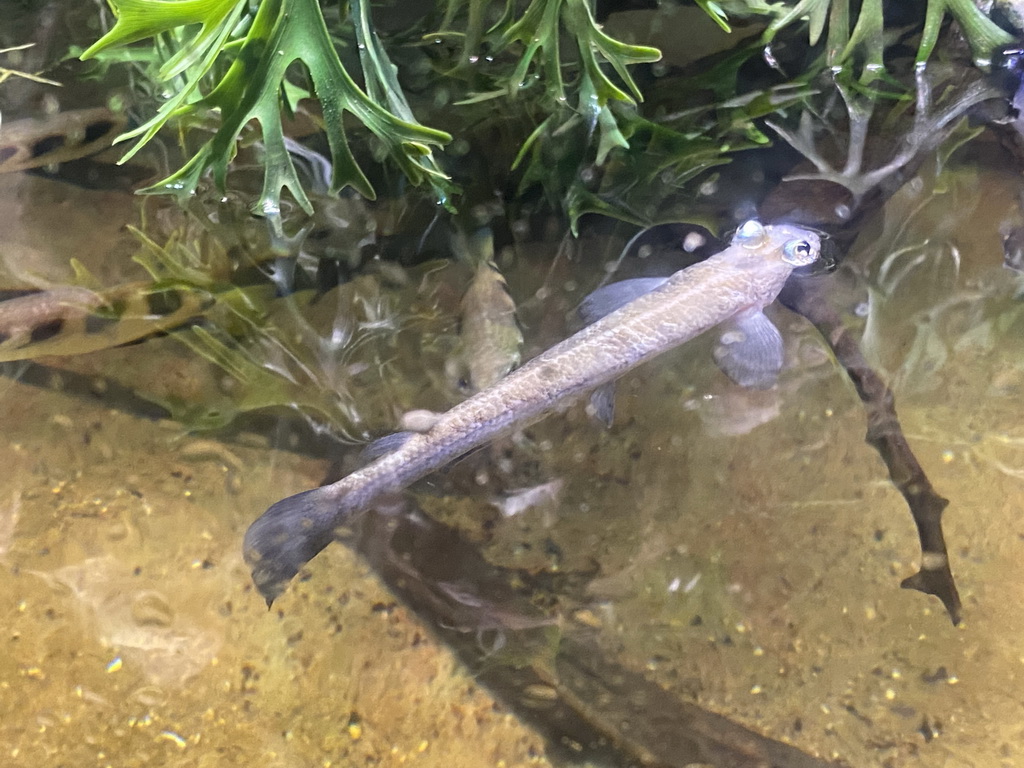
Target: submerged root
<point>929,129</point>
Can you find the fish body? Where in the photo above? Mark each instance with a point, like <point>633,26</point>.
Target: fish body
<point>489,338</point>
<point>36,314</point>
<point>735,283</point>
<point>489,335</point>
<point>70,135</point>
<point>71,320</point>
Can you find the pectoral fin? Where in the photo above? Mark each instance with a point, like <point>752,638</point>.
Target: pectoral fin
<point>608,298</point>
<point>384,445</point>
<point>602,404</point>
<point>750,350</point>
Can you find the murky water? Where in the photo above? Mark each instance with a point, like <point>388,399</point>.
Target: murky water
<point>740,550</point>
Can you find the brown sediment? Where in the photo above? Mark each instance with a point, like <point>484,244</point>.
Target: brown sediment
<point>559,679</point>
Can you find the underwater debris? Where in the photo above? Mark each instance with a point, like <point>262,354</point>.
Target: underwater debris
<point>515,502</point>
<point>929,129</point>
<point>886,436</point>
<point>870,189</point>
<point>810,298</point>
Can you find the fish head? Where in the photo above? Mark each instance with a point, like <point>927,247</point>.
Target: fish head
<point>787,243</point>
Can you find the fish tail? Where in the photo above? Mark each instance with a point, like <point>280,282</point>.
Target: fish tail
<point>287,536</point>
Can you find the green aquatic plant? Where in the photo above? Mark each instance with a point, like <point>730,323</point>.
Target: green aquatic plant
<point>333,359</point>
<point>860,31</point>
<point>314,355</point>
<point>663,157</point>
<point>238,63</point>
<point>564,88</point>
<point>538,30</point>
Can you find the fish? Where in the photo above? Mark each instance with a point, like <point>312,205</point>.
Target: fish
<point>518,501</point>
<point>489,335</point>
<point>69,135</point>
<point>731,287</point>
<point>40,314</point>
<point>73,320</point>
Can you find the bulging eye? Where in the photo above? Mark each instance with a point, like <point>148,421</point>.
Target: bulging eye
<point>750,233</point>
<point>798,253</point>
<point>1010,59</point>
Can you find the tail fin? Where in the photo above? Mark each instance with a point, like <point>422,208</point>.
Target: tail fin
<point>287,536</point>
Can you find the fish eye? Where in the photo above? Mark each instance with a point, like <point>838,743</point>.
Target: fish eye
<point>798,253</point>
<point>750,233</point>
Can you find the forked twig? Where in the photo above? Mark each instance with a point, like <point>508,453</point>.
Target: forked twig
<point>808,297</point>
<point>928,131</point>
<point>885,435</point>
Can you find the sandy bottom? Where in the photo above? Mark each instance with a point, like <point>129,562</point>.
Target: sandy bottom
<point>748,548</point>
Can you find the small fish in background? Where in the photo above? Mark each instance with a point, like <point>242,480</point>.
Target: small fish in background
<point>41,141</point>
<point>37,315</point>
<point>1012,232</point>
<point>73,320</point>
<point>490,341</point>
<point>1013,248</point>
<point>485,614</point>
<point>515,502</point>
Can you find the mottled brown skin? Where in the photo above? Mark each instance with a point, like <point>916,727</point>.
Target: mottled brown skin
<point>23,317</point>
<point>490,336</point>
<point>70,135</point>
<point>71,320</point>
<point>746,276</point>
